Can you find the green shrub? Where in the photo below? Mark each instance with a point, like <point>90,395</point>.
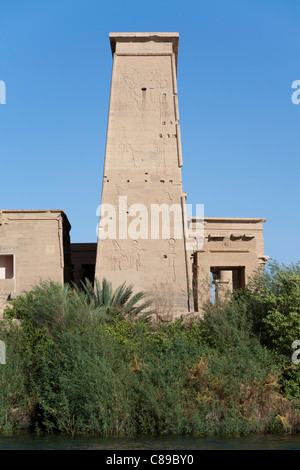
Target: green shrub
<point>272,302</point>
<point>85,367</point>
<point>16,404</point>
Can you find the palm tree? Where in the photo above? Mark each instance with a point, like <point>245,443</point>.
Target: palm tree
<point>110,303</point>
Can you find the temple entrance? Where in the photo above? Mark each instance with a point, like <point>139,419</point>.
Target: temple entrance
<point>225,280</point>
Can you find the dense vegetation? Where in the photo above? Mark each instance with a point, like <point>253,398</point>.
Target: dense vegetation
<point>80,361</point>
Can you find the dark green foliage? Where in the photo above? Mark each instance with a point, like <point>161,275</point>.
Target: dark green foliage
<point>16,404</point>
<point>273,303</point>
<point>83,365</point>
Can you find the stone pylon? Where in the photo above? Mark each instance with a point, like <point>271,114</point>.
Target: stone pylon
<point>142,186</point>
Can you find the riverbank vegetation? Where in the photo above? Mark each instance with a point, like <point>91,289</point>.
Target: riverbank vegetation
<point>80,362</point>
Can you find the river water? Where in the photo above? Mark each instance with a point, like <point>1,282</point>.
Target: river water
<point>33,442</point>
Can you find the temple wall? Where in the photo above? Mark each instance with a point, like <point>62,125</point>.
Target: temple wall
<point>33,247</point>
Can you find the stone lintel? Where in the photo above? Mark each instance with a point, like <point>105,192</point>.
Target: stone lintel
<point>237,220</point>
<point>34,213</point>
<point>135,38</point>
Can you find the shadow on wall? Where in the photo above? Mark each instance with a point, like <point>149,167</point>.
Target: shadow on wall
<point>83,262</point>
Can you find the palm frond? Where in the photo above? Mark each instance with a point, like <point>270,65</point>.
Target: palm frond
<point>108,303</point>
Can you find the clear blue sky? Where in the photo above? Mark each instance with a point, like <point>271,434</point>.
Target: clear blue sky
<point>240,131</point>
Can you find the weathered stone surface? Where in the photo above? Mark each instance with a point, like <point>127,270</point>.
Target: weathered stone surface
<point>233,251</point>
<point>38,245</point>
<point>143,164</point>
